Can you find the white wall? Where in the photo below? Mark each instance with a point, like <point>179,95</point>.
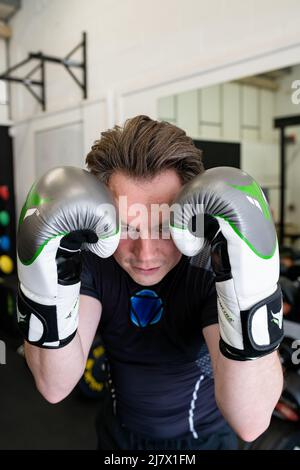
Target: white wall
<point>136,43</point>
<point>139,51</point>
<point>3,91</point>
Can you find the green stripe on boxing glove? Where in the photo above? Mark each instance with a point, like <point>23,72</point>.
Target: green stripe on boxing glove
<point>226,208</point>
<point>66,211</point>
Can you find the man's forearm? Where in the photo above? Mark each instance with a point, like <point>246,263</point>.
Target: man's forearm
<point>56,371</point>
<point>247,392</point>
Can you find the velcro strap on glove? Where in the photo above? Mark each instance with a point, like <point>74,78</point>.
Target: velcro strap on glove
<point>38,323</point>
<point>262,329</point>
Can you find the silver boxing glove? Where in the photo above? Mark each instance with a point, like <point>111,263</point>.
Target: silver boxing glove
<point>67,210</point>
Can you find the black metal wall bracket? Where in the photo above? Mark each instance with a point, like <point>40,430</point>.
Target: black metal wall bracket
<point>66,61</point>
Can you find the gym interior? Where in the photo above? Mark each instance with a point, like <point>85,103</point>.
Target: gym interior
<point>226,72</point>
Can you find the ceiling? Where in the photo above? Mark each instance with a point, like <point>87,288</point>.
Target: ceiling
<point>267,80</point>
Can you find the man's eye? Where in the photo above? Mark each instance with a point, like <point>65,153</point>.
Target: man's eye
<point>128,229</point>
<point>164,230</point>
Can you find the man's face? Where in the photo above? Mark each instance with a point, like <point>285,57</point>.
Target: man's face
<point>146,251</point>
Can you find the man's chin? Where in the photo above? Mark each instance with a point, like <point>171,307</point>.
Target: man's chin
<point>147,279</point>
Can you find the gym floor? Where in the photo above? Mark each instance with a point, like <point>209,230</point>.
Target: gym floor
<point>28,421</point>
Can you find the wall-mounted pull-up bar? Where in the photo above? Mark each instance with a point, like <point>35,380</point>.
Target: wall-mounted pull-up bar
<point>66,61</point>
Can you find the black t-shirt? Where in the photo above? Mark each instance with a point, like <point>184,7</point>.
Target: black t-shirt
<point>159,362</point>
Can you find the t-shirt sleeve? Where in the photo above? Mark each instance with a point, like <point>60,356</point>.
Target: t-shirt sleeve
<point>209,314</point>
<point>90,284</point>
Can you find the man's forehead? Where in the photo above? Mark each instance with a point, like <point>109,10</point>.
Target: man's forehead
<point>133,221</point>
<point>160,189</point>
<point>150,200</point>
<point>154,213</point>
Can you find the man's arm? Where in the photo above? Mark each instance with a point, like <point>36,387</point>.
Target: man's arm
<point>246,391</point>
<point>57,371</point>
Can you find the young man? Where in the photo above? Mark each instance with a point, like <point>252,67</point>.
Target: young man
<point>155,308</point>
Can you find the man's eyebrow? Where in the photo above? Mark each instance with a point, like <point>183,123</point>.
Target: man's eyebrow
<point>125,225</point>
<point>165,223</point>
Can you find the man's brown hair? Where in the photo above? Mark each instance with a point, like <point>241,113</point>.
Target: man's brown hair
<point>142,149</point>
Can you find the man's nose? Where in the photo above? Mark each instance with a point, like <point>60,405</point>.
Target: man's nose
<point>145,249</point>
